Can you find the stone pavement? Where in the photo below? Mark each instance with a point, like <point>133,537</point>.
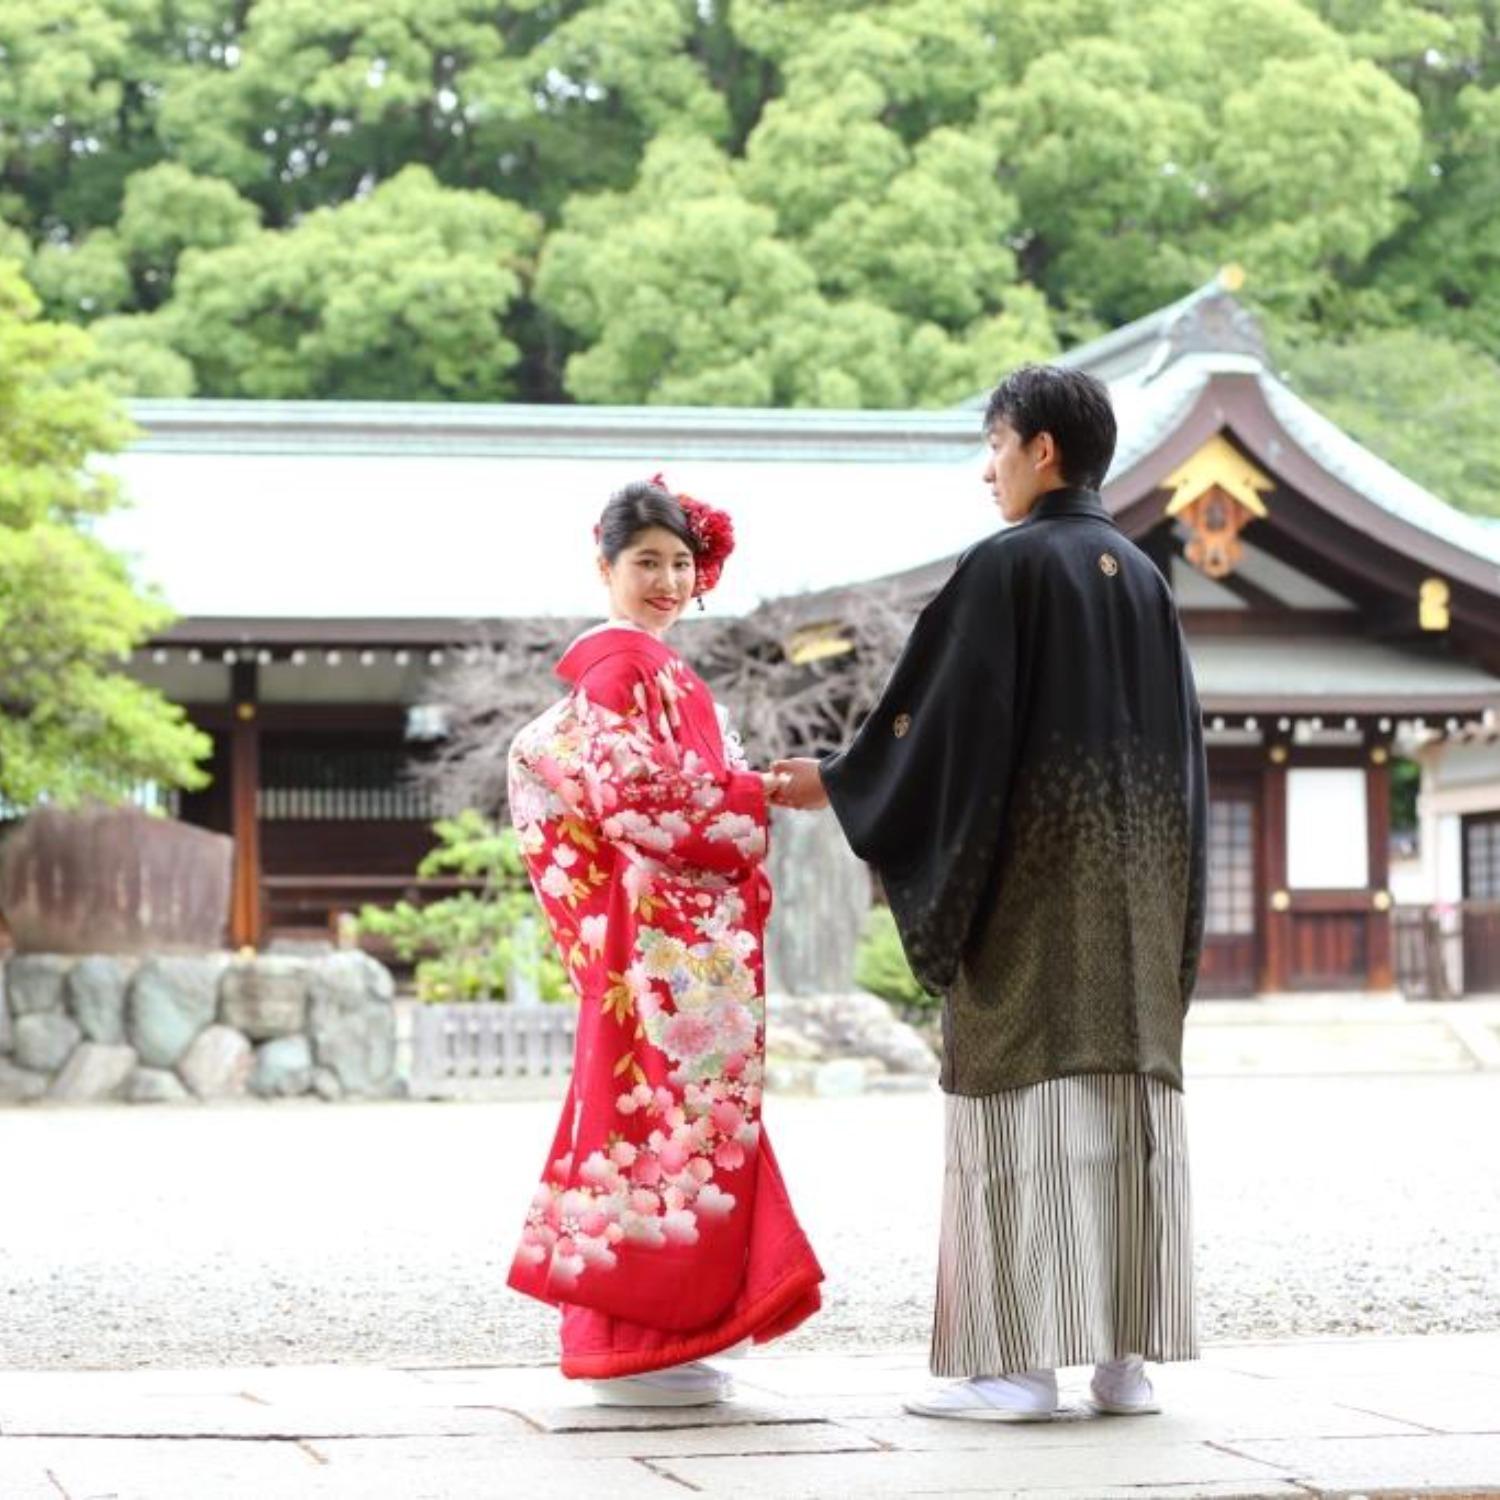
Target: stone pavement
<point>1360,1417</point>
<point>1303,1035</point>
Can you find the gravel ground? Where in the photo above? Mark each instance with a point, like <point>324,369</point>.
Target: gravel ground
<point>380,1233</point>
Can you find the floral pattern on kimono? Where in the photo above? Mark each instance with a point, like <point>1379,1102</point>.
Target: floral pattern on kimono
<point>646,840</point>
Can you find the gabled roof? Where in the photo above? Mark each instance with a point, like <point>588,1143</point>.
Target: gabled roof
<point>348,511</point>
<point>323,511</point>
<point>1200,366</point>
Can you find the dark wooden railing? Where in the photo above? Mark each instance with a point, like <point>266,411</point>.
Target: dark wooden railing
<point>1447,951</point>
<point>311,905</point>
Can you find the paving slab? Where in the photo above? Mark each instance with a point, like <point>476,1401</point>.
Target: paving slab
<point>1416,1465</point>
<point>1360,1418</point>
<point>1003,1466</point>
<point>129,1469</point>
<point>471,1469</point>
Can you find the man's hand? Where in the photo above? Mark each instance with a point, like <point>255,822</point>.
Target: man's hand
<point>801,787</point>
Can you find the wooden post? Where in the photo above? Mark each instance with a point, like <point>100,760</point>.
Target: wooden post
<point>1276,968</point>
<point>1380,974</point>
<point>244,786</point>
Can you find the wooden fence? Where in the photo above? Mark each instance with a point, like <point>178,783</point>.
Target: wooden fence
<point>1448,951</point>
<point>456,1047</point>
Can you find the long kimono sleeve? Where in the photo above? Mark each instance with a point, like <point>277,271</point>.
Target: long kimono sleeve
<point>638,784</point>
<point>1197,825</point>
<point>922,790</point>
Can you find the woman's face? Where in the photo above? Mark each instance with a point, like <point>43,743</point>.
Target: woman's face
<point>651,581</point>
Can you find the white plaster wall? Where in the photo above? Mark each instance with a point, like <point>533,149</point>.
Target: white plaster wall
<point>1409,885</point>
<point>1449,859</point>
<point>1328,839</point>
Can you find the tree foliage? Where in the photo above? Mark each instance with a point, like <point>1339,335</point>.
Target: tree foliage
<point>1424,403</point>
<point>477,944</point>
<point>72,725</point>
<point>808,202</point>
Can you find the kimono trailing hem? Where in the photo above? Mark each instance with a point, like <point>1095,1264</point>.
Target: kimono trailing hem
<point>778,1312</point>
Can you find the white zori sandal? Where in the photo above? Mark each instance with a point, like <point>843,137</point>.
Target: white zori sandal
<point>1027,1397</point>
<point>694,1384</point>
<point>1120,1389</point>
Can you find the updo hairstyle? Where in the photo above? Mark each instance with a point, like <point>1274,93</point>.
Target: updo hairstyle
<point>637,508</point>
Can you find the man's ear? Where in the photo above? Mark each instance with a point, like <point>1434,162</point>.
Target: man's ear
<point>1044,453</point>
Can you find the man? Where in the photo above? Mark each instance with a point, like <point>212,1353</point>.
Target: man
<point>1031,791</point>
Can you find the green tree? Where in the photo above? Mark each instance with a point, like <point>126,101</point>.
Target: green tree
<point>1198,134</point>
<point>404,294</point>
<point>880,966</point>
<point>921,188</point>
<point>528,100</point>
<point>682,292</point>
<point>72,725</point>
<point>1425,403</point>
<point>468,946</point>
<point>1441,267</point>
<point>81,85</point>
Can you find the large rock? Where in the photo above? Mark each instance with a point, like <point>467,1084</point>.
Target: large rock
<point>95,1071</point>
<point>35,982</point>
<point>44,1041</point>
<point>18,1085</point>
<point>856,1025</point>
<point>217,1065</point>
<point>113,880</point>
<point>171,1001</point>
<point>156,1086</point>
<point>283,1068</point>
<point>96,997</point>
<point>840,1078</point>
<point>265,998</point>
<point>353,1022</point>
<point>326,1085</point>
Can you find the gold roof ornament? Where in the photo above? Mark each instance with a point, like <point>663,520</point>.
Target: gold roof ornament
<point>817,643</point>
<point>1232,277</point>
<point>1434,604</point>
<point>1219,462</point>
<point>1216,493</point>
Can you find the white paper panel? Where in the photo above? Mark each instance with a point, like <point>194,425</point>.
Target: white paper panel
<point>1327,833</point>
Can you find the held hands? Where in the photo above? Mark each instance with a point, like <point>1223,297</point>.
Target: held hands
<point>796,784</point>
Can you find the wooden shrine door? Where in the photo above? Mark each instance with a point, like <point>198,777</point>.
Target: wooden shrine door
<point>1231,943</point>
<point>1481,903</point>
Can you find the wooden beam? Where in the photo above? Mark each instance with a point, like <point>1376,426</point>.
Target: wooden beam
<point>1276,966</point>
<point>1381,973</point>
<point>244,779</point>
<point>383,718</point>
<point>1260,600</point>
<point>1341,623</point>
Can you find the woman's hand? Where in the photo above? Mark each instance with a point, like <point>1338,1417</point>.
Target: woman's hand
<point>801,785</point>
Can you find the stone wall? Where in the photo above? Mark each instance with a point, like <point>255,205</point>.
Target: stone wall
<point>167,1029</point>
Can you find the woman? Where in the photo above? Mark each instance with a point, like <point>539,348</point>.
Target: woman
<point>661,1228</point>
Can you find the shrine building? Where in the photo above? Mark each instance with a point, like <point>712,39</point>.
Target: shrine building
<point>327,558</point>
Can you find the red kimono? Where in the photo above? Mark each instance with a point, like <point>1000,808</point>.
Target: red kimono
<point>661,1227</point>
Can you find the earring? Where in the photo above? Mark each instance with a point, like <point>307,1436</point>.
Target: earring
<point>701,605</point>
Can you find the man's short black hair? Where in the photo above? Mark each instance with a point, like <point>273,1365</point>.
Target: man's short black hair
<point>1072,406</point>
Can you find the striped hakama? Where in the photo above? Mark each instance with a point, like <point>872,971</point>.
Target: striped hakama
<point>1066,1228</point>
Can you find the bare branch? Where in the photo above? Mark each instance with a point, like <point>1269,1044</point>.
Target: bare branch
<point>795,681</point>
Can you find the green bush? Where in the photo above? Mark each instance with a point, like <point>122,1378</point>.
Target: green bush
<point>467,945</point>
<point>880,966</point>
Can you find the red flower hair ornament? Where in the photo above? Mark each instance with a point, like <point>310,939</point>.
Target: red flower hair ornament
<point>712,529</point>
